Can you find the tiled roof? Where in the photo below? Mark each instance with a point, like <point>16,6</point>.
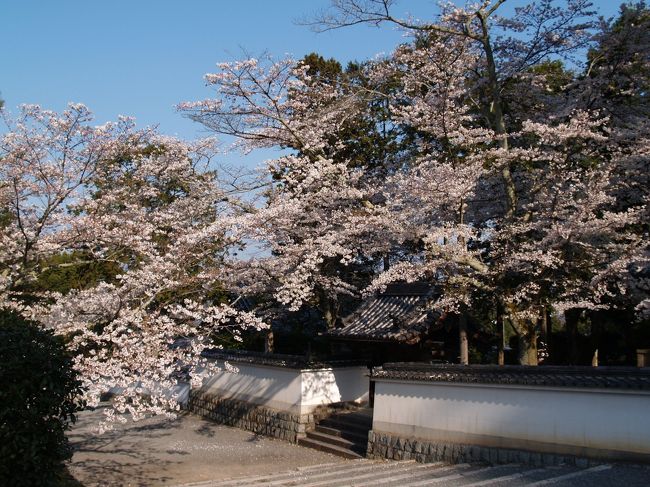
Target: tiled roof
<point>398,314</point>
<point>276,360</point>
<point>581,377</point>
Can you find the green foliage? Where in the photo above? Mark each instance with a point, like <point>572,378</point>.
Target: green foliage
<point>323,70</point>
<point>619,65</point>
<point>369,139</point>
<point>64,272</point>
<point>5,217</point>
<point>555,74</point>
<point>75,270</point>
<point>38,400</point>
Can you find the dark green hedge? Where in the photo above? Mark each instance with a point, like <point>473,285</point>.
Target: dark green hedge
<point>39,395</point>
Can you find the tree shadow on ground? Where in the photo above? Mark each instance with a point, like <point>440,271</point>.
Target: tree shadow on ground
<point>206,430</point>
<point>123,455</point>
<point>68,480</point>
<point>256,438</point>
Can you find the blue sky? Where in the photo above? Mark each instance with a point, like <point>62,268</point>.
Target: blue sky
<point>141,57</point>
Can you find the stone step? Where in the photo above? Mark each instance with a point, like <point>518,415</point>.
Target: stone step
<point>368,473</point>
<point>344,477</point>
<point>332,476</point>
<point>371,476</point>
<point>289,477</point>
<point>344,433</point>
<point>337,440</point>
<point>458,477</point>
<point>355,417</point>
<point>343,425</point>
<point>422,471</point>
<point>361,438</point>
<point>328,448</point>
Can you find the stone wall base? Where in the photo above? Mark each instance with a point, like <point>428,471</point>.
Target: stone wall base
<point>251,417</point>
<point>387,446</point>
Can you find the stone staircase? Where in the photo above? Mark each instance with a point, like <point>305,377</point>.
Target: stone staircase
<point>344,433</point>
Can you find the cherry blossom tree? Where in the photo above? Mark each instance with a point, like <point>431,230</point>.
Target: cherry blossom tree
<point>47,160</point>
<point>520,200</point>
<point>319,207</point>
<point>154,208</point>
<point>543,188</point>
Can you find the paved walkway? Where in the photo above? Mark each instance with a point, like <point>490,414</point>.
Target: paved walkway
<point>360,473</point>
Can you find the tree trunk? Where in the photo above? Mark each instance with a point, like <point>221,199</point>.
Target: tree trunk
<point>329,309</point>
<point>498,118</point>
<point>462,335</point>
<point>571,317</point>
<point>597,320</point>
<point>501,360</point>
<point>526,337</point>
<point>527,349</point>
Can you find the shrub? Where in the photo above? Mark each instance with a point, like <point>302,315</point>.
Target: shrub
<point>39,395</point>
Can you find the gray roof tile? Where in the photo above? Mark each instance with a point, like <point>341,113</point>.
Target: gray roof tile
<point>398,314</point>
<point>551,376</point>
<point>276,359</point>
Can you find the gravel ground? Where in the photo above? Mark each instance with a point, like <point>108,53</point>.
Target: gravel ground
<point>161,452</point>
<point>158,451</point>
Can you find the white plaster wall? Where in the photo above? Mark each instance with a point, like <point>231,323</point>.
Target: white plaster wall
<point>297,391</point>
<point>495,415</point>
<point>274,387</point>
<point>327,386</point>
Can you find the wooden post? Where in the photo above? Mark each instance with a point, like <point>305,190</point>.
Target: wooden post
<point>543,352</point>
<point>268,342</point>
<point>594,359</point>
<point>501,360</point>
<point>571,318</point>
<point>543,329</point>
<point>462,334</point>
